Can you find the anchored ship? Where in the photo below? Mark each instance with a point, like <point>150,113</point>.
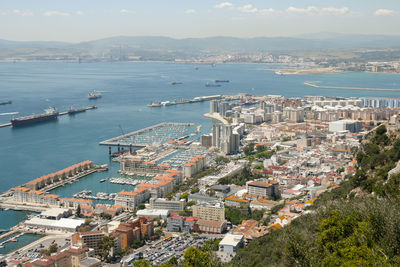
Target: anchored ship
<point>6,102</point>
<point>222,81</point>
<point>49,114</point>
<point>94,95</point>
<point>155,104</point>
<point>212,85</point>
<point>174,82</point>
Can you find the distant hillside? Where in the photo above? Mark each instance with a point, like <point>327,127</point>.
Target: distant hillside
<point>356,224</point>
<point>166,47</point>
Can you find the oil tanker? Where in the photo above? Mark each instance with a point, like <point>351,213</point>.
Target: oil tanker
<point>49,114</point>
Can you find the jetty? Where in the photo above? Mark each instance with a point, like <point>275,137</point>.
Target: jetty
<point>184,101</point>
<point>81,109</point>
<point>315,85</point>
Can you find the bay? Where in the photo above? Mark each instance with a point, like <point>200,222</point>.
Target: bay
<point>127,87</point>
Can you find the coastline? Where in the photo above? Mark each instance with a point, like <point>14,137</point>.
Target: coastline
<point>307,71</point>
<point>217,117</point>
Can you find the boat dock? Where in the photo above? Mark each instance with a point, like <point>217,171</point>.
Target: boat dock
<point>8,234</point>
<point>156,134</point>
<point>68,180</point>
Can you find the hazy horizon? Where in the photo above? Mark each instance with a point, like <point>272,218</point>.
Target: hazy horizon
<point>77,21</point>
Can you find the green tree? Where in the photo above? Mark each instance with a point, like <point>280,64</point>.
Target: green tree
<point>53,248</point>
<point>159,232</point>
<point>249,149</point>
<point>142,263</point>
<point>184,195</point>
<point>210,192</point>
<point>195,257</point>
<point>191,203</point>
<point>78,211</point>
<point>104,246</point>
<point>194,190</point>
<point>105,216</point>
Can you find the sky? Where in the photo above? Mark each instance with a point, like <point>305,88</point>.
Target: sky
<point>84,20</point>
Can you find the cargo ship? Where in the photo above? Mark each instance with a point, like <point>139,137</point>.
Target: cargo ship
<point>222,81</point>
<point>49,114</point>
<point>6,102</point>
<point>155,104</point>
<point>94,95</point>
<point>174,82</point>
<point>212,85</point>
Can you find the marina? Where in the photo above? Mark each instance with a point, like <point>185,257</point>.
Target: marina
<point>87,194</point>
<point>126,181</point>
<point>180,158</point>
<point>153,135</point>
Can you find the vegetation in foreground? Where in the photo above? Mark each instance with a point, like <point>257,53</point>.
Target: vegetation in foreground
<point>356,224</point>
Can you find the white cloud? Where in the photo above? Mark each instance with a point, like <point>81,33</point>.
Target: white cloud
<point>267,11</point>
<point>56,13</point>
<point>248,9</point>
<point>224,4</point>
<point>23,13</point>
<point>385,12</point>
<point>308,10</point>
<point>312,10</point>
<point>190,11</point>
<point>335,11</point>
<point>126,11</point>
<point>80,13</point>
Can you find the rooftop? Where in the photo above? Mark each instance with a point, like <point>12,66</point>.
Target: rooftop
<point>231,240</point>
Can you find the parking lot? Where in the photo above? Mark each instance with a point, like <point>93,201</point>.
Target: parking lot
<point>161,251</point>
<point>32,251</point>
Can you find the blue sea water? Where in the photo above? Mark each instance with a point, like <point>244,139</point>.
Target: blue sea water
<point>29,152</point>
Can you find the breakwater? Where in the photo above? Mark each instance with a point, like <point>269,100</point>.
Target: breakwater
<point>315,85</point>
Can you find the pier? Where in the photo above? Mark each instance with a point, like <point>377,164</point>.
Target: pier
<point>159,133</point>
<point>184,101</point>
<point>5,125</point>
<point>7,235</point>
<point>314,84</point>
<point>68,180</point>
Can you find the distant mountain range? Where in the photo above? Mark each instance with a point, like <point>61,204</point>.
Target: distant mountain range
<point>158,45</point>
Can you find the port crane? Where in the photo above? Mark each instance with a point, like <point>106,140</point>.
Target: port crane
<point>120,127</point>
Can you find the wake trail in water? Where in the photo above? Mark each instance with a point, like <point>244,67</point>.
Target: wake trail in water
<point>9,113</point>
